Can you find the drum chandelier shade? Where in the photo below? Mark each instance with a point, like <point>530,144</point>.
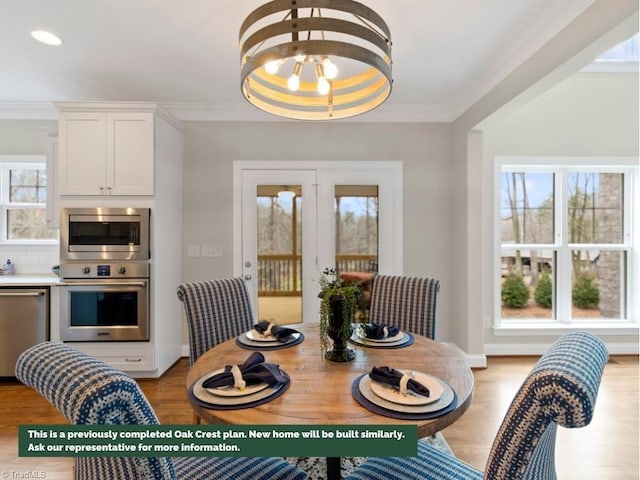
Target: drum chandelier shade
<point>315,59</point>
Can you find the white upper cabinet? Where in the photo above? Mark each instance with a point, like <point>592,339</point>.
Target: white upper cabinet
<point>106,153</point>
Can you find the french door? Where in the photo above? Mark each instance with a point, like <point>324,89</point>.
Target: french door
<point>294,219</point>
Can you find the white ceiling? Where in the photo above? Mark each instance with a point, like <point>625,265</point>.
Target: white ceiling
<point>184,54</point>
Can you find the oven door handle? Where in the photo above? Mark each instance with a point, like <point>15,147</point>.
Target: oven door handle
<point>106,284</point>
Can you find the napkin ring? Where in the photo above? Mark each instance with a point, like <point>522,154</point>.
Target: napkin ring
<point>238,381</point>
<point>404,380</point>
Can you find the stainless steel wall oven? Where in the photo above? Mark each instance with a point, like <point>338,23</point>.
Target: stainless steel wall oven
<point>104,266</point>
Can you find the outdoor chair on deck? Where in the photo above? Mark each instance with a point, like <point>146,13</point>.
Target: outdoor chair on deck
<point>560,390</point>
<point>406,302</point>
<point>217,310</point>
<point>88,391</point>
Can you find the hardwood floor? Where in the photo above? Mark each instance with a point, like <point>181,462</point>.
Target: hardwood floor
<point>606,449</point>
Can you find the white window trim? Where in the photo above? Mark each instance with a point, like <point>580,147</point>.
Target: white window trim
<point>8,162</point>
<point>631,243</point>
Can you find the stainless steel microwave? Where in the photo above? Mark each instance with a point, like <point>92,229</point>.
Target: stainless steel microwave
<point>104,234</point>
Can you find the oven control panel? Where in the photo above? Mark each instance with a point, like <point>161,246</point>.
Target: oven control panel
<point>69,271</point>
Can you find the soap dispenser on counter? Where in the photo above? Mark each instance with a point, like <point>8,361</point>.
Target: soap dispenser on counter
<point>7,268</point>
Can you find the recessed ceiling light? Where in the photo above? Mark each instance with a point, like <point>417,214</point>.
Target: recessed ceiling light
<point>47,38</point>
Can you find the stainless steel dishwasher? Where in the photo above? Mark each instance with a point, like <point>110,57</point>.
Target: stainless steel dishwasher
<point>24,322</point>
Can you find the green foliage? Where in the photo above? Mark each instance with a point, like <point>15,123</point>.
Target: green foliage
<point>515,293</point>
<point>543,294</point>
<point>350,294</point>
<point>585,292</point>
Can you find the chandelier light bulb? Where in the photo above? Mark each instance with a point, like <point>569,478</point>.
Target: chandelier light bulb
<point>323,87</point>
<point>330,68</point>
<point>293,83</point>
<point>272,66</point>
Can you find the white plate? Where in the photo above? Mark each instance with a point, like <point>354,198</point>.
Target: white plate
<point>205,394</point>
<point>232,391</point>
<point>267,341</point>
<point>395,338</point>
<point>444,401</point>
<point>387,392</point>
<point>365,341</point>
<point>258,337</point>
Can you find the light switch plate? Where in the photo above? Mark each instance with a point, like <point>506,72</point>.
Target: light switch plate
<point>211,251</point>
<point>193,251</point>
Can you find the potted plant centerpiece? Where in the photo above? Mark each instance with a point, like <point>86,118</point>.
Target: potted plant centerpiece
<point>338,303</point>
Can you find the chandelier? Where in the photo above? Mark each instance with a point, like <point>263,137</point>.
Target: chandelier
<point>315,59</point>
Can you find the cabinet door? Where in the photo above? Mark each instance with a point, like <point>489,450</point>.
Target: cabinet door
<point>130,138</point>
<point>82,153</point>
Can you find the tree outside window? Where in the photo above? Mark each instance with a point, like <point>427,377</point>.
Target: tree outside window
<point>24,192</point>
<point>580,240</point>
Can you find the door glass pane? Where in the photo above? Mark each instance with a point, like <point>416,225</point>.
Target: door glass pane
<point>356,212</point>
<point>528,284</point>
<point>527,207</point>
<point>279,253</point>
<point>597,284</point>
<point>595,207</point>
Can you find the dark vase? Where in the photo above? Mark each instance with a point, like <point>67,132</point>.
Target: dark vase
<point>340,351</point>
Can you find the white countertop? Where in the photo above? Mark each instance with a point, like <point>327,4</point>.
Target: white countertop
<point>29,280</point>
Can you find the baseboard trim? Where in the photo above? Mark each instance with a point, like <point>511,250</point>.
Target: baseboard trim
<point>475,360</point>
<point>497,349</point>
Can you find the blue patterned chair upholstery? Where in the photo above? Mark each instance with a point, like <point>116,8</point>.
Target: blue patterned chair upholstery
<point>217,310</point>
<point>87,391</point>
<point>406,302</point>
<point>560,390</point>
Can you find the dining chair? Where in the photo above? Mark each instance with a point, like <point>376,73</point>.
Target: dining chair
<point>406,302</point>
<point>88,391</point>
<point>560,390</point>
<point>216,310</point>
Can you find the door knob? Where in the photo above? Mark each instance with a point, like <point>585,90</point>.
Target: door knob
<point>247,264</point>
<point>247,277</point>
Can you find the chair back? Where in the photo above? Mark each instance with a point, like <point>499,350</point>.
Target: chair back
<point>406,302</point>
<point>216,310</point>
<point>560,390</point>
<point>87,391</point>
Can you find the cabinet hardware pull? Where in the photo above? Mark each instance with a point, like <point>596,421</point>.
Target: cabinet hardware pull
<point>133,361</point>
<point>22,294</point>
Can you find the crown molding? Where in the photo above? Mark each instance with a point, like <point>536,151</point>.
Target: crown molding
<point>28,111</point>
<point>209,112</point>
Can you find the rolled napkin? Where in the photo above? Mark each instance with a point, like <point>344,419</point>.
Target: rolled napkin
<point>378,331</point>
<point>253,371</point>
<point>267,328</point>
<point>396,378</point>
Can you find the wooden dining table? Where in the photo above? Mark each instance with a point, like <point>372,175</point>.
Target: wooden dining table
<point>320,390</point>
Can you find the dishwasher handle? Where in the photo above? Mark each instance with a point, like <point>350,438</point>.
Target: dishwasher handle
<point>22,294</point>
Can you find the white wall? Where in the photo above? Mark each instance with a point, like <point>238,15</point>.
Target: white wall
<point>27,137</point>
<point>424,149</point>
<point>589,114</point>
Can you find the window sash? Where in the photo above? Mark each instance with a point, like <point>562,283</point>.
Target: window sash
<point>6,205</point>
<point>561,248</point>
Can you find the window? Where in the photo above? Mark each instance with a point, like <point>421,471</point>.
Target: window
<point>621,58</point>
<point>23,193</point>
<point>565,243</point>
